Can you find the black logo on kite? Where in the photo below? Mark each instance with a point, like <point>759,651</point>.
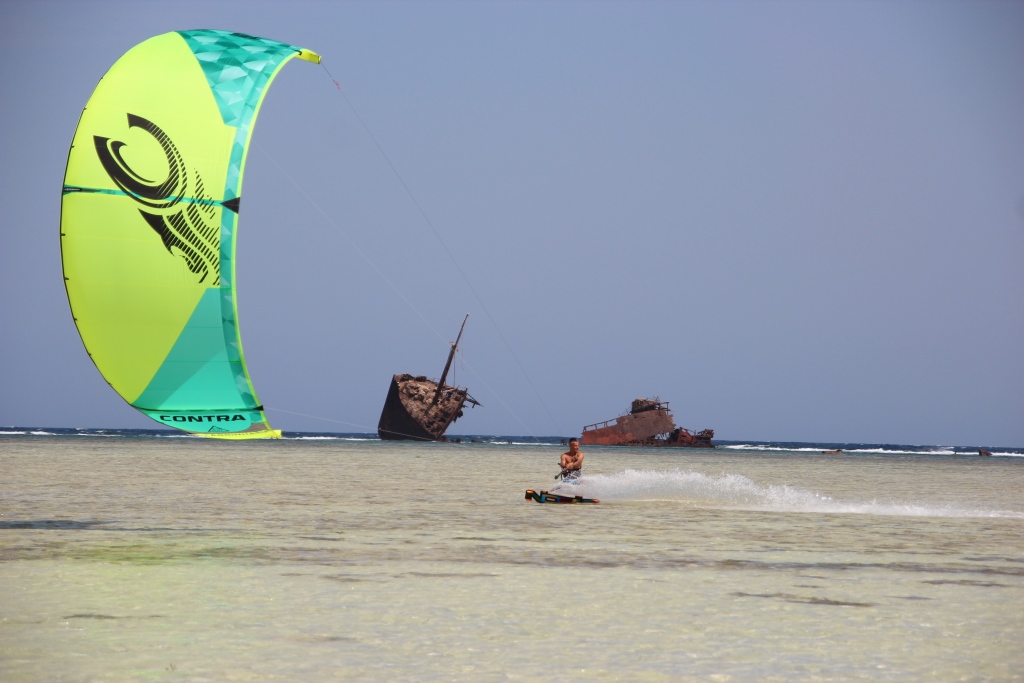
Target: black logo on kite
<point>187,225</point>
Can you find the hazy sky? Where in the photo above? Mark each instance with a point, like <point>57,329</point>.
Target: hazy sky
<point>792,220</point>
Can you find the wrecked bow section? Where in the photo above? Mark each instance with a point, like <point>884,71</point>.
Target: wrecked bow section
<point>420,409</point>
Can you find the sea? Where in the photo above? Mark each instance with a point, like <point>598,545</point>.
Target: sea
<point>144,555</point>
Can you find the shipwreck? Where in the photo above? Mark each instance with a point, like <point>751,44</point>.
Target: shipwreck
<point>421,409</point>
<point>649,422</point>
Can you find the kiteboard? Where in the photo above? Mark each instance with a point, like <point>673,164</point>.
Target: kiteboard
<point>546,497</point>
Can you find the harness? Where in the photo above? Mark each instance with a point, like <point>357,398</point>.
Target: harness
<point>571,475</point>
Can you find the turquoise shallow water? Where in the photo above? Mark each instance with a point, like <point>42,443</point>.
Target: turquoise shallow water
<point>125,559</point>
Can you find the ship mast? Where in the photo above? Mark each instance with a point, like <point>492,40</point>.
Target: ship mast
<point>448,365</point>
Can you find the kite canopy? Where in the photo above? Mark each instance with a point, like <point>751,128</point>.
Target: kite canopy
<point>149,216</point>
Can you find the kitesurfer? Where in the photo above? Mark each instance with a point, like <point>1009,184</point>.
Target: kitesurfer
<point>571,462</point>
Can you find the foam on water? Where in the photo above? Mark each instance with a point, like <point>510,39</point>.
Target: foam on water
<point>866,449</point>
<point>739,492</point>
<point>874,450</point>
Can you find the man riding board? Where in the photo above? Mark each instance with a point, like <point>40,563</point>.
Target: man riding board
<point>571,462</point>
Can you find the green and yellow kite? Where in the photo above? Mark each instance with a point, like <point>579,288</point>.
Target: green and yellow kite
<point>149,216</point>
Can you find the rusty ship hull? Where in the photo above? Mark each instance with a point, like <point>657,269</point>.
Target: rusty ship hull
<point>648,423</point>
